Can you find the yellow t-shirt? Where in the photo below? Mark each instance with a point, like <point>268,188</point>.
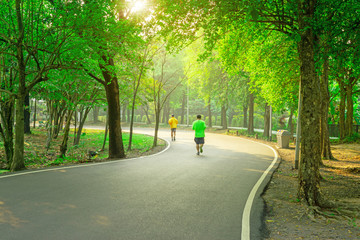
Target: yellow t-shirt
<point>173,122</point>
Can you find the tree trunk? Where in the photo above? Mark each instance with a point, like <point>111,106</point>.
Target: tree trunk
<point>61,122</point>
<point>183,104</point>
<point>148,118</point>
<point>34,114</point>
<point>96,114</point>
<point>64,144</point>
<point>128,113</point>
<point>83,116</point>
<point>245,113</point>
<point>116,146</point>
<point>18,157</point>
<point>349,108</point>
<point>27,114</point>
<point>136,87</point>
<point>165,115</point>
<point>324,108</point>
<point>7,130</point>
<point>290,122</point>
<point>309,176</point>
<point>251,114</point>
<point>266,121</point>
<point>56,120</point>
<point>342,110</point>
<point>298,129</point>
<point>146,110</point>
<point>58,115</point>
<point>18,162</point>
<point>223,117</point>
<point>157,122</point>
<point>49,125</point>
<point>106,132</point>
<point>209,113</point>
<point>75,125</point>
<point>132,118</point>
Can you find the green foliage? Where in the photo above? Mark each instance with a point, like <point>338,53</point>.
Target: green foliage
<point>270,59</point>
<point>354,138</point>
<point>242,47</point>
<point>59,161</point>
<point>244,132</point>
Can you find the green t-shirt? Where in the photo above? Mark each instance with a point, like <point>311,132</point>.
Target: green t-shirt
<point>199,126</point>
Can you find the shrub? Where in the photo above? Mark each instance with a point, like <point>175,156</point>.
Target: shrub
<point>355,137</point>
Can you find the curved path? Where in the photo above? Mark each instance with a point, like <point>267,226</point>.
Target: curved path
<point>172,195</point>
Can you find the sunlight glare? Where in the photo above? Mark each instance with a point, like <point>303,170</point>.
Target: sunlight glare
<point>138,5</point>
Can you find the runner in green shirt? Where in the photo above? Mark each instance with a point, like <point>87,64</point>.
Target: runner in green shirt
<point>199,126</point>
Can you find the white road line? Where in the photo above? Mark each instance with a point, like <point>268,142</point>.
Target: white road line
<point>245,228</point>
<point>85,165</point>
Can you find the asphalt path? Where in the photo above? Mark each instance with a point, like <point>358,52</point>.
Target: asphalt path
<point>172,195</point>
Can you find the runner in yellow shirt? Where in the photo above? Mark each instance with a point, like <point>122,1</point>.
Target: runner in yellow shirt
<point>173,125</point>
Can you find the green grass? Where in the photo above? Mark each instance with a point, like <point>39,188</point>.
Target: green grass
<point>36,156</point>
<point>94,139</point>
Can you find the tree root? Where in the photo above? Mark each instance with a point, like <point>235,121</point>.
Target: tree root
<point>315,212</point>
<point>330,210</point>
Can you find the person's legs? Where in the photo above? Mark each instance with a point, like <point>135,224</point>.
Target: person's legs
<point>201,142</point>
<point>174,133</point>
<point>197,146</point>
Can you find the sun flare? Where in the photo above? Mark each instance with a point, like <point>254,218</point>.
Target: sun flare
<point>138,5</point>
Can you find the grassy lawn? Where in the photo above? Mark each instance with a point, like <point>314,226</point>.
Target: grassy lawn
<point>36,155</point>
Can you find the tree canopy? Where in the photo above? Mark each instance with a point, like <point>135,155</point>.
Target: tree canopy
<point>228,60</point>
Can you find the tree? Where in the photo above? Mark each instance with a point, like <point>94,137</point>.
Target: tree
<point>295,20</point>
<point>35,46</point>
<point>111,41</point>
<point>325,101</point>
<point>167,76</point>
<point>211,81</point>
<point>138,72</point>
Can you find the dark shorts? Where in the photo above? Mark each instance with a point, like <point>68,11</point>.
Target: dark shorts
<point>173,129</point>
<point>199,140</point>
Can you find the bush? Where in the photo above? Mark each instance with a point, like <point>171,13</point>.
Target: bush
<point>355,137</point>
